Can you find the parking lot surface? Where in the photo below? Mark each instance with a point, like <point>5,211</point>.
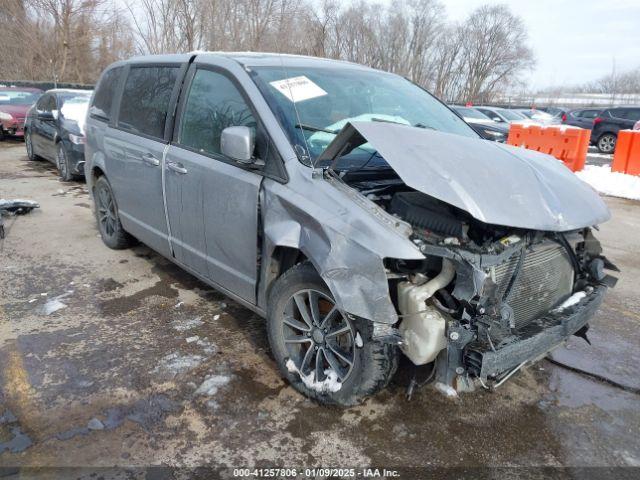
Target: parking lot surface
<point>120,358</point>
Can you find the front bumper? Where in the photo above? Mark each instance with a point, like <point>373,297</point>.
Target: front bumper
<point>13,128</point>
<point>75,154</point>
<point>538,338</point>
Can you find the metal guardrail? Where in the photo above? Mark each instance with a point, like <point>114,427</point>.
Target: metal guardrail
<point>44,85</point>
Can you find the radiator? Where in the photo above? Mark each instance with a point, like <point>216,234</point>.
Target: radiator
<point>546,279</point>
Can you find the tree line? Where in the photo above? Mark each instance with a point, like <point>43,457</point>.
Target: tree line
<point>73,40</point>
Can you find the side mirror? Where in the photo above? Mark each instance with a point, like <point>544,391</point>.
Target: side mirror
<point>238,143</point>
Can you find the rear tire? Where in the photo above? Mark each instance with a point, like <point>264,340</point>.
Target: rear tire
<point>307,344</point>
<point>607,143</point>
<point>111,231</point>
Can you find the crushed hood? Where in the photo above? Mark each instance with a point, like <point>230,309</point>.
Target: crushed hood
<point>495,183</point>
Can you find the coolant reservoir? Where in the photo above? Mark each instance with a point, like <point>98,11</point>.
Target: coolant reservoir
<point>423,333</point>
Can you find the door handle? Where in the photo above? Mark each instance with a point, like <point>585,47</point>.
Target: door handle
<point>176,167</point>
<point>150,160</point>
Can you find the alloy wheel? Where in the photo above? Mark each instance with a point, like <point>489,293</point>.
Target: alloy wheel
<point>107,216</point>
<point>29,146</point>
<point>62,163</point>
<point>318,337</point>
<point>607,143</point>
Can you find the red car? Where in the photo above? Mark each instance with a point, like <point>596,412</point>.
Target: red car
<point>14,103</point>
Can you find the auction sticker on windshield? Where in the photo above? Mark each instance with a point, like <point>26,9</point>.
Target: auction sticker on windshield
<point>298,89</point>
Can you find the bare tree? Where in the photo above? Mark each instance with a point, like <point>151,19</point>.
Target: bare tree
<point>494,51</point>
<point>74,39</point>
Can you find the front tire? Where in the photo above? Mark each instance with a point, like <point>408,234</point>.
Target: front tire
<point>322,352</point>
<point>607,143</point>
<point>28,142</point>
<point>111,231</point>
<point>62,162</point>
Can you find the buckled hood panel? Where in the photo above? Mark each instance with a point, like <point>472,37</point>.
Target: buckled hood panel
<point>495,183</point>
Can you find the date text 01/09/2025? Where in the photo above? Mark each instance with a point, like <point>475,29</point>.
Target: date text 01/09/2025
<point>315,472</point>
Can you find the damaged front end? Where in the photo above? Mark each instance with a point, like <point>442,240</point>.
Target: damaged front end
<point>487,298</point>
<point>495,306</point>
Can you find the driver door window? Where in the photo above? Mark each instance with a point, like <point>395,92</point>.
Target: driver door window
<point>213,104</point>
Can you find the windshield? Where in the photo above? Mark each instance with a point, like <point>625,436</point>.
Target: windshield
<point>18,97</point>
<point>327,98</point>
<point>471,113</point>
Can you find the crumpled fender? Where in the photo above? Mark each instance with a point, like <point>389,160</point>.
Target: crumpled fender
<point>344,235</point>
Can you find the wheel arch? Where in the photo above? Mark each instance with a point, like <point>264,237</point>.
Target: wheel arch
<point>282,259</point>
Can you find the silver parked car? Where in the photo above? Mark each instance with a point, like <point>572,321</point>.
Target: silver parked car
<point>352,209</point>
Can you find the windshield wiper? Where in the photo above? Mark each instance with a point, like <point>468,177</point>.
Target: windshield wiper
<point>311,128</point>
<point>422,125</point>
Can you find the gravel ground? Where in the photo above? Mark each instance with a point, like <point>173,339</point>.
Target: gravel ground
<point>119,358</point>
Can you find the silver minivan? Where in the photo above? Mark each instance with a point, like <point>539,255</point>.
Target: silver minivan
<point>356,212</point>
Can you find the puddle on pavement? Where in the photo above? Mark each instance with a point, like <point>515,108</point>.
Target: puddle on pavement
<point>573,390</point>
<point>12,438</point>
<point>126,303</point>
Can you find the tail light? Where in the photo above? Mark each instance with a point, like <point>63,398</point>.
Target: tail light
<point>564,117</point>
<point>596,121</point>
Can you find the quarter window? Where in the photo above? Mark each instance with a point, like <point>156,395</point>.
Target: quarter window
<point>105,92</point>
<point>213,104</point>
<point>145,100</point>
<point>633,114</point>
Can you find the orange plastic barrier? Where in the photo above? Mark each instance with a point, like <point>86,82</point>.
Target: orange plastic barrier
<point>569,144</point>
<point>626,158</point>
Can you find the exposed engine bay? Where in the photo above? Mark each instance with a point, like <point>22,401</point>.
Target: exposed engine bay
<point>487,298</point>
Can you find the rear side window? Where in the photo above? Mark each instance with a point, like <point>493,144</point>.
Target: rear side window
<point>633,114</point>
<point>213,104</point>
<point>587,114</point>
<point>105,92</point>
<point>618,113</point>
<point>145,100</point>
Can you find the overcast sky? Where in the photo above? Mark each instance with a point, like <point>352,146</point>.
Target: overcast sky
<point>573,41</point>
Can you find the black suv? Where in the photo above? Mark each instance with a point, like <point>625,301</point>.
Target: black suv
<point>607,125</point>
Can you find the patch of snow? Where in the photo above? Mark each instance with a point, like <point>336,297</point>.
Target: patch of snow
<point>615,184</point>
<point>359,342</point>
<point>216,317</point>
<point>32,300</point>
<point>447,390</point>
<point>608,156</point>
<point>195,338</point>
<point>207,346</point>
<point>291,367</point>
<point>329,384</point>
<point>571,301</point>
<point>211,385</point>
<point>184,325</point>
<point>53,305</point>
<point>95,424</point>
<point>175,363</point>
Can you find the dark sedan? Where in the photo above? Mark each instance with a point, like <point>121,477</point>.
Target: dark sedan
<point>54,130</point>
